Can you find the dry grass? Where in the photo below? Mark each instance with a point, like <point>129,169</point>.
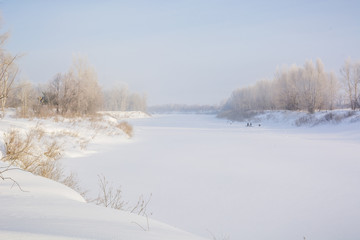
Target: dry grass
<point>36,153</point>
<point>32,152</point>
<point>96,117</point>
<point>72,182</point>
<point>141,206</point>
<point>109,196</point>
<point>69,133</point>
<point>126,128</point>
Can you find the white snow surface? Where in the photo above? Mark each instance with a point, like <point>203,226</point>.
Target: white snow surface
<point>125,114</point>
<point>207,176</point>
<point>48,210</point>
<point>44,209</point>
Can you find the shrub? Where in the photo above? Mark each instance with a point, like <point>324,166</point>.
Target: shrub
<point>32,153</point>
<point>36,153</point>
<point>126,128</point>
<point>305,120</point>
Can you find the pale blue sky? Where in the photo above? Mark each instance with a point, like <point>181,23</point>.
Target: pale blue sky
<point>186,51</point>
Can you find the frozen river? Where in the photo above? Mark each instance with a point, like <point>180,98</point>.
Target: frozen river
<point>209,176</point>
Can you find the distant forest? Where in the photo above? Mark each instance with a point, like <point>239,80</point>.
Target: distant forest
<point>73,93</point>
<point>184,108</point>
<point>298,88</point>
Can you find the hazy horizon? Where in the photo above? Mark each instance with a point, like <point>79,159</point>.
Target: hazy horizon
<point>186,52</point>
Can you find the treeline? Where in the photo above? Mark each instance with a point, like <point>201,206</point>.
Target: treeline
<point>308,87</point>
<point>74,93</point>
<point>121,99</point>
<point>183,108</point>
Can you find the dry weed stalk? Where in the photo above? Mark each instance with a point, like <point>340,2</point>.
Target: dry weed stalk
<point>72,182</point>
<point>111,197</point>
<point>30,152</point>
<point>108,196</point>
<point>141,206</point>
<point>33,152</point>
<point>223,237</point>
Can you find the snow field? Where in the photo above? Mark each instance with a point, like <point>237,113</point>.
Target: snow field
<point>206,175</point>
<point>276,181</point>
<point>49,210</point>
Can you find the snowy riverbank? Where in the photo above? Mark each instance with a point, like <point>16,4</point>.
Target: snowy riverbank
<point>277,181</point>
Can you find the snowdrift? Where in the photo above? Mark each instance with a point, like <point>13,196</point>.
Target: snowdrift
<point>45,209</point>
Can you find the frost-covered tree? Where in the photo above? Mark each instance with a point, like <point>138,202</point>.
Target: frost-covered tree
<point>116,99</point>
<point>350,73</point>
<point>8,70</point>
<point>331,91</point>
<point>307,88</point>
<point>287,83</point>
<point>119,98</point>
<point>312,86</point>
<point>75,92</point>
<point>25,93</point>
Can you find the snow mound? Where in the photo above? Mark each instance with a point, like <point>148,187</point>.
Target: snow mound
<point>48,210</point>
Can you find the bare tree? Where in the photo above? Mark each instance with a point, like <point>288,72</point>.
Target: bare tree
<point>8,70</point>
<point>312,78</point>
<point>76,92</point>
<point>23,97</point>
<point>88,91</point>
<point>287,85</point>
<point>121,99</point>
<point>52,94</point>
<point>332,90</point>
<point>295,88</point>
<point>350,73</point>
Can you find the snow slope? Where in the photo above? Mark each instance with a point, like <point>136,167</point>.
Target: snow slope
<point>48,210</point>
